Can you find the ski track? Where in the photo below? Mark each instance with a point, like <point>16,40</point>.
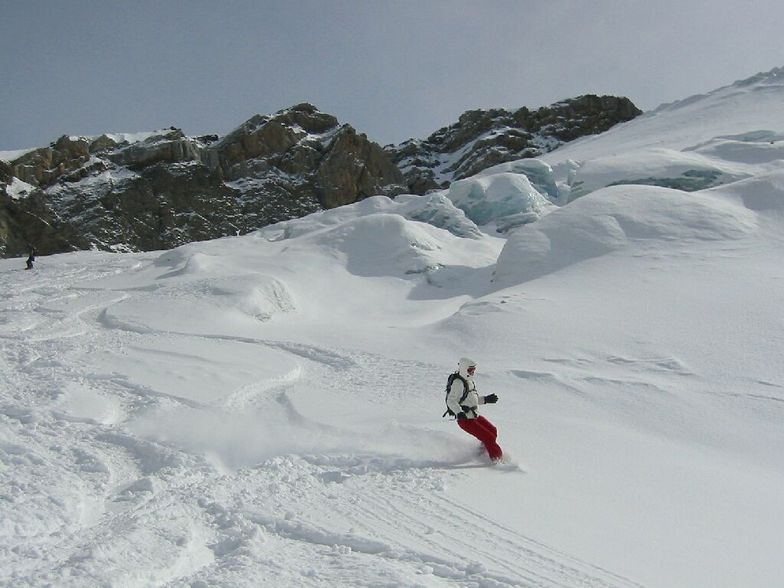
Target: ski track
<point>141,512</point>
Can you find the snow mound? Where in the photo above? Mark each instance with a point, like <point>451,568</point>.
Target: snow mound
<point>257,296</point>
<point>218,289</point>
<point>386,244</point>
<point>614,218</point>
<point>497,197</point>
<point>434,209</point>
<point>764,193</point>
<point>183,261</point>
<point>753,148</point>
<point>210,307</point>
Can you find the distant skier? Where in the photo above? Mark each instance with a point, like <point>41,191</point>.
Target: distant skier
<point>31,259</point>
<point>462,401</point>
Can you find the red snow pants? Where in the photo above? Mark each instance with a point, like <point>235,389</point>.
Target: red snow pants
<point>483,430</point>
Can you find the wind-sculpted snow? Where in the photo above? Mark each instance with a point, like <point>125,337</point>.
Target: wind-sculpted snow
<point>412,237</point>
<point>175,453</point>
<point>434,209</point>
<point>208,280</point>
<point>755,148</point>
<point>386,245</point>
<point>763,193</point>
<point>157,429</point>
<point>615,218</point>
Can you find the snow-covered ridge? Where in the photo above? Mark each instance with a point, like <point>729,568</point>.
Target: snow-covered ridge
<point>124,138</point>
<point>773,79</point>
<point>748,106</point>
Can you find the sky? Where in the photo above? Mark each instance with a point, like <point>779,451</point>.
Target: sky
<point>391,69</point>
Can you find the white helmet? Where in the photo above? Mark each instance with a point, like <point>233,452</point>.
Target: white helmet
<point>464,365</point>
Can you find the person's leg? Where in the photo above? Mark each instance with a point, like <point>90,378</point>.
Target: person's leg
<point>485,434</point>
<point>493,449</point>
<point>488,425</point>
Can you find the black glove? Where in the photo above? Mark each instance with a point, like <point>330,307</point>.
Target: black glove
<point>461,416</point>
<point>491,399</point>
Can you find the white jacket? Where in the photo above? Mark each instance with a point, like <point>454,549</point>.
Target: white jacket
<point>456,391</point>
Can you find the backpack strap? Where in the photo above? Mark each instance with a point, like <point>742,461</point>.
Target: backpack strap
<point>452,377</point>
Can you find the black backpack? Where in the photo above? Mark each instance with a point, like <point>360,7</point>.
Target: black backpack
<point>452,378</point>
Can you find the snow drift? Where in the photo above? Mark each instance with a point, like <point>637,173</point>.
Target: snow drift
<point>616,218</point>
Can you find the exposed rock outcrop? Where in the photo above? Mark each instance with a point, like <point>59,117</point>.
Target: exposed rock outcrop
<point>165,189</point>
<point>29,222</point>
<point>484,138</point>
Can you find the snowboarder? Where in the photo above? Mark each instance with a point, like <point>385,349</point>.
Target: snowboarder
<point>462,401</point>
<point>31,259</point>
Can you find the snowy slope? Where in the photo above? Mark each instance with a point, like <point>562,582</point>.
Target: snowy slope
<point>701,142</point>
<point>743,108</point>
<point>265,410</point>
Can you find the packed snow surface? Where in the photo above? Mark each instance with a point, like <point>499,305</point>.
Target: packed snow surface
<point>265,410</point>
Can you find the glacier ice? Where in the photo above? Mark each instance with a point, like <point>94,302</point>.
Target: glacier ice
<point>434,209</point>
<point>539,173</point>
<point>499,196</point>
<point>667,168</point>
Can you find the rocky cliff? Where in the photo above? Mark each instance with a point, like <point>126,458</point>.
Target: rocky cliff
<point>484,138</point>
<point>159,190</point>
